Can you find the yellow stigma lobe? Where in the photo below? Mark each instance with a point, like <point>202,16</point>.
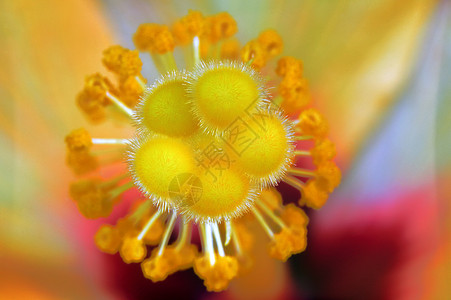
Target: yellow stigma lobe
<point>155,163</point>
<point>164,108</point>
<point>269,152</point>
<point>224,195</point>
<point>222,92</point>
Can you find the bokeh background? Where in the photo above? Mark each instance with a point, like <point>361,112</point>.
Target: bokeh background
<point>380,70</point>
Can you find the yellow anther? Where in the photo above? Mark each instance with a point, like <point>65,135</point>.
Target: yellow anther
<point>220,26</point>
<point>92,99</point>
<point>254,53</point>
<point>323,151</point>
<point>108,239</point>
<point>230,49</point>
<point>154,38</point>
<point>81,162</point>
<point>216,277</point>
<point>153,236</point>
<point>122,61</point>
<point>271,42</point>
<point>312,123</point>
<point>125,227</point>
<point>92,201</point>
<point>329,176</point>
<point>294,217</point>
<point>295,93</point>
<point>313,195</point>
<point>288,242</point>
<point>173,259</point>
<point>133,250</point>
<point>188,27</point>
<point>78,140</point>
<point>130,90</point>
<point>289,66</point>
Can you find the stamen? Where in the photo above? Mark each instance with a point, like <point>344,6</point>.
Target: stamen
<point>119,104</point>
<point>120,189</point>
<point>271,214</point>
<point>196,50</point>
<point>218,239</point>
<point>209,242</point>
<point>301,172</point>
<point>302,137</point>
<point>164,62</point>
<point>167,233</point>
<point>113,181</point>
<point>262,222</point>
<point>302,153</point>
<point>236,242</point>
<point>296,183</point>
<point>228,226</point>
<point>142,209</point>
<point>101,141</point>
<point>149,224</point>
<point>185,235</point>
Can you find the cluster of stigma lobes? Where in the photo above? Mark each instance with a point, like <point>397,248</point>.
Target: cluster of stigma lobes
<point>208,143</point>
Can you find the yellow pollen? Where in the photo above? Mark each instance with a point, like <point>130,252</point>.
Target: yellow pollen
<point>312,123</point>
<point>313,195</point>
<point>79,140</point>
<point>271,41</point>
<point>81,162</point>
<point>154,38</point>
<point>122,61</point>
<point>323,151</point>
<point>132,250</point>
<point>220,26</point>
<point>131,89</point>
<point>289,65</point>
<point>92,99</point>
<point>108,239</point>
<point>186,28</point>
<point>329,176</point>
<point>295,93</point>
<point>173,259</point>
<point>254,53</point>
<point>92,200</point>
<point>216,277</point>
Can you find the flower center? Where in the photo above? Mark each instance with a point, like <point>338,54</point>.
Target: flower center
<point>209,141</point>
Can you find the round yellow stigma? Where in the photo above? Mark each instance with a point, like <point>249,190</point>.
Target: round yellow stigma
<point>222,92</point>
<point>223,195</point>
<point>269,152</point>
<point>156,162</point>
<point>164,108</point>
